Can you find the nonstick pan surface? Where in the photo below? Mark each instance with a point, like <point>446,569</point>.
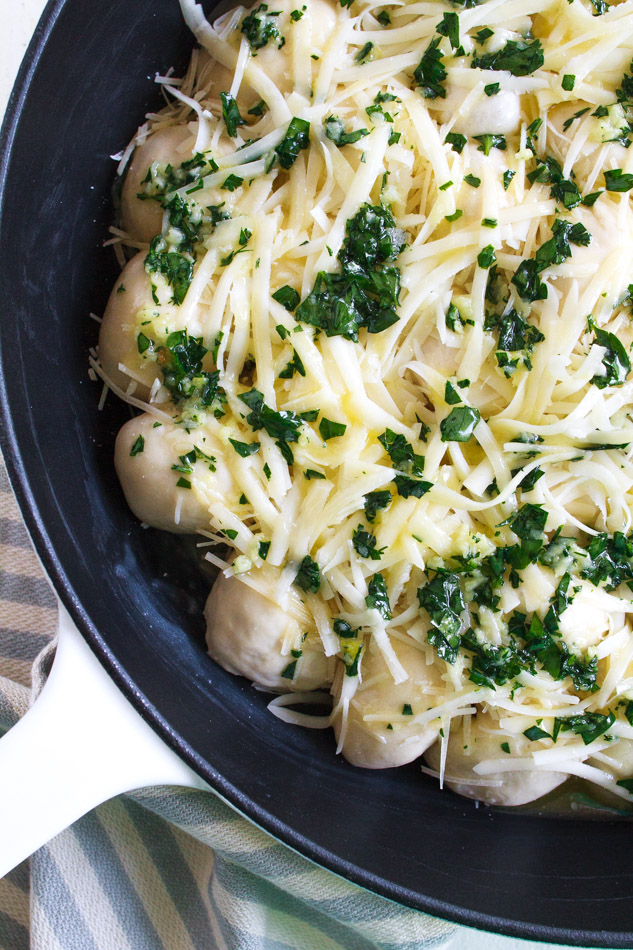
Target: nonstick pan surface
<point>137,595</point>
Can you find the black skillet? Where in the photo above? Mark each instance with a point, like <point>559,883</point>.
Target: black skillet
<point>137,595</point>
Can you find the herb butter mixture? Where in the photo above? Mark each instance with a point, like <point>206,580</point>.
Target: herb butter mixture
<point>377,312</point>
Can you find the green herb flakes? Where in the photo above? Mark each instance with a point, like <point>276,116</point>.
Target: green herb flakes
<point>230,114</point>
<point>430,73</point>
<point>335,131</point>
<point>331,430</point>
<point>376,501</point>
<point>364,543</point>
<point>308,576</point>
<point>245,448</point>
<point>460,424</point>
<point>297,137</point>
<point>456,141</point>
<point>287,297</point>
<point>615,361</point>
<point>138,446</point>
<point>260,26</point>
<point>366,291</point>
<point>517,57</point>
<point>378,596</point>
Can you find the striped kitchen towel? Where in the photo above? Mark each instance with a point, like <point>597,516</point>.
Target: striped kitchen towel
<point>164,869</point>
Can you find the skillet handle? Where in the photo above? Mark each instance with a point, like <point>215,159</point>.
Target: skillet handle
<point>80,744</point>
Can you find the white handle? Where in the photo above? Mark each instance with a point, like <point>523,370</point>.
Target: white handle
<point>80,744</point>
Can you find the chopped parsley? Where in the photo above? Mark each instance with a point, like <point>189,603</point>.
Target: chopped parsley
<point>516,336</point>
<point>244,238</point>
<point>430,72</point>
<point>308,576</point>
<point>176,268</point>
<point>138,447</point>
<point>487,257</point>
<point>401,452</point>
<point>282,426</point>
<point>366,291</point>
<point>180,360</point>
<point>446,644</point>
<point>456,141</point>
<point>589,725</point>
<point>616,362</point>
<point>535,732</point>
<point>517,57</point>
<point>294,366</point>
<point>231,114</point>
<point>482,35</point>
<point>555,251</point>
<point>260,26</point>
<point>378,596</point>
<point>459,424</point>
<point>143,343</point>
<point>365,544</point>
<point>491,664</point>
<point>287,297</point>
<point>232,182</point>
<point>442,599</point>
<point>451,396</point>
<point>297,137</point>
<point>259,109</point>
<point>375,501</point>
<point>449,26</point>
<point>335,131</point>
<point>408,483</point>
<point>489,141</point>
<point>611,560</point>
<point>245,448</point>
<point>160,180</point>
<point>351,646</point>
<point>288,672</point>
<point>563,190</point>
<point>531,479</point>
<point>363,54</point>
<point>330,429</point>
<point>577,115</point>
<point>616,180</point>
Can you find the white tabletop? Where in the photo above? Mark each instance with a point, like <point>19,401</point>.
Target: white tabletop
<point>18,19</point>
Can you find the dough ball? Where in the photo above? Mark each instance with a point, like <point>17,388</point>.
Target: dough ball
<point>516,787</point>
<point>247,630</point>
<point>149,483</point>
<point>130,302</point>
<point>496,115</point>
<point>143,219</point>
<point>372,745</point>
<point>323,21</point>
